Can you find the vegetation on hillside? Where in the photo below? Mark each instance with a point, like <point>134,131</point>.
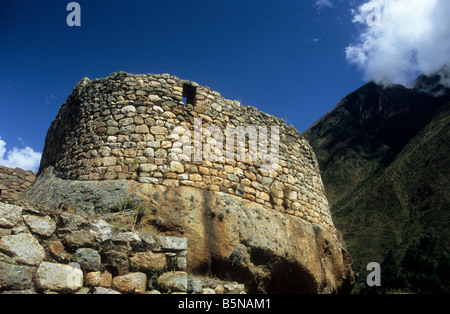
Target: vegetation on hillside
<point>385,160</point>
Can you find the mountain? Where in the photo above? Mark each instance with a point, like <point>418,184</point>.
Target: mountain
<point>384,153</point>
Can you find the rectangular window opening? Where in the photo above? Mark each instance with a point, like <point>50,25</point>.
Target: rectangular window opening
<point>189,92</point>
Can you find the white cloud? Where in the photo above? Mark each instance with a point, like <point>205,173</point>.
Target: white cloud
<point>24,158</point>
<point>324,3</point>
<point>412,38</point>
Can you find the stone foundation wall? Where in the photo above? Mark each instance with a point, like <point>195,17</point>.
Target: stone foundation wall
<point>122,127</point>
<point>48,252</point>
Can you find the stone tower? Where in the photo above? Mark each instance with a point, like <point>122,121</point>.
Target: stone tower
<point>243,187</point>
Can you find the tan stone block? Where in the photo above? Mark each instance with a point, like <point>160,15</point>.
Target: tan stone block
<point>110,176</point>
<point>149,261</point>
<point>296,206</point>
<point>124,176</point>
<point>203,170</point>
<point>216,181</point>
<point>116,152</point>
<point>187,182</point>
<point>171,183</point>
<point>229,169</point>
<point>95,162</point>
<point>171,175</point>
<point>131,282</point>
<point>148,167</point>
<point>130,152</point>
<point>263,196</point>
<point>92,279</point>
<point>214,188</point>
<point>214,172</point>
<point>292,195</point>
<point>141,129</point>
<point>105,280</point>
<point>191,168</point>
<point>109,161</point>
<point>115,169</point>
<point>291,179</point>
<point>195,177</point>
<point>183,176</point>
<point>158,130</point>
<point>249,190</point>
<point>160,161</point>
<point>166,144</point>
<point>250,175</point>
<point>161,153</point>
<point>176,166</point>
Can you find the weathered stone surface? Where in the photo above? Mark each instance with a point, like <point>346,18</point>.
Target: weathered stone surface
<point>176,166</point>
<point>43,226</point>
<point>10,215</point>
<point>23,248</point>
<point>58,252</point>
<point>178,263</point>
<point>208,291</point>
<point>130,237</point>
<point>102,230</point>
<point>92,279</point>
<point>15,277</point>
<point>102,290</point>
<point>89,259</point>
<point>106,279</point>
<point>174,281</point>
<point>59,277</point>
<point>79,239</point>
<point>268,250</point>
<point>71,222</point>
<point>174,244</point>
<point>149,261</point>
<point>194,286</point>
<point>98,279</point>
<point>131,283</point>
<point>90,196</point>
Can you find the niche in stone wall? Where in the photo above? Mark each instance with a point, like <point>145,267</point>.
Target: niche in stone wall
<point>189,92</point>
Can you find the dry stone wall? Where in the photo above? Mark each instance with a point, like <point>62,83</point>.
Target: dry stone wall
<point>127,127</point>
<point>14,181</point>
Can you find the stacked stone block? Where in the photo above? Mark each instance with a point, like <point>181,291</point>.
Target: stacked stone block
<point>14,181</point>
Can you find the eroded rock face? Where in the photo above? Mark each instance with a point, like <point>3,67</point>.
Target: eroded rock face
<point>227,235</point>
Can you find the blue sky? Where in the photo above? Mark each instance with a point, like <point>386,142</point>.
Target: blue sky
<point>284,57</point>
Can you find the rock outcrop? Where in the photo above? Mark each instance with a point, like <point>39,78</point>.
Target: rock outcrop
<point>248,215</point>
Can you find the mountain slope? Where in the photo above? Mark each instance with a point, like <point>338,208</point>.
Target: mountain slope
<point>385,155</point>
